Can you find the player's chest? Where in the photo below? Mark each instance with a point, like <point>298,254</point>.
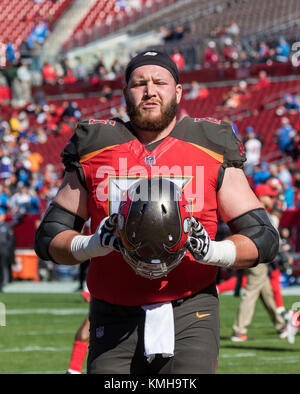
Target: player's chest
<point>114,171</point>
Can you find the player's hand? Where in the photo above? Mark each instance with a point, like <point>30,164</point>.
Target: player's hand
<point>206,251</point>
<point>199,241</point>
<point>101,243</point>
<point>107,232</point>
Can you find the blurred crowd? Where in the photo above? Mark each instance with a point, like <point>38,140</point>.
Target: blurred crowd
<point>27,119</point>
<point>222,48</point>
<point>26,184</point>
<point>283,174</point>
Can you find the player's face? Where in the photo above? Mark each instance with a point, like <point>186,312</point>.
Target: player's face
<point>267,201</point>
<point>152,97</point>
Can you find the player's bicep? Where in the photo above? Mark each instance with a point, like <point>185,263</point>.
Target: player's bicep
<point>73,196</point>
<point>235,196</point>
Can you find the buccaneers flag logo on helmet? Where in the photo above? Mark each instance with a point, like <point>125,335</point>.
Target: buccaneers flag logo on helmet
<point>154,224</point>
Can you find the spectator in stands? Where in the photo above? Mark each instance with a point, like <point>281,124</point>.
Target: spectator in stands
<point>197,91</point>
<point>231,99</point>
<point>178,58</point>
<point>290,105</point>
<point>297,105</point>
<point>264,53</point>
<point>284,174</point>
<point>35,55</point>
<point>34,207</point>
<point>211,57</point>
<point>23,172</point>
<point>49,74</point>
<point>99,68</point>
<point>25,52</point>
<point>22,84</point>
<point>20,202</point>
<point>164,35</point>
<point>35,159</point>
<point>244,59</point>
<point>120,113</point>
<point>297,187</point>
<point>10,51</point>
<point>286,135</point>
<point>10,73</point>
<point>4,195</point>
<point>80,70</point>
<point>230,52</point>
<point>68,75</point>
<point>39,137</point>
<point>71,110</point>
<point>6,165</point>
<point>39,97</point>
<point>40,31</point>
<point>14,123</point>
<point>233,29</point>
<point>106,94</point>
<point>178,33</point>
<point>117,68</point>
<point>253,150</point>
<point>262,83</point>
<point>282,50</point>
<point>234,97</point>
<point>261,173</point>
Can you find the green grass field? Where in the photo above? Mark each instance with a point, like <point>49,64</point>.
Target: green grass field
<point>40,328</point>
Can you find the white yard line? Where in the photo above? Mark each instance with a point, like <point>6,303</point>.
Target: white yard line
<point>47,311</point>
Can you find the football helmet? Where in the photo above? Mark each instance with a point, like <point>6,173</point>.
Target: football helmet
<point>154,223</point>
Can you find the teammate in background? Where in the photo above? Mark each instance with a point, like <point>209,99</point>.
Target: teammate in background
<point>282,261</point>
<point>81,342</point>
<point>258,285</point>
<point>104,158</point>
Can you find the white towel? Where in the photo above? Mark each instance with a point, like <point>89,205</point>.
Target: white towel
<point>159,335</point>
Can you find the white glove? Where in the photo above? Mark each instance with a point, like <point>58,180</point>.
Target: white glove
<point>101,243</point>
<point>206,251</point>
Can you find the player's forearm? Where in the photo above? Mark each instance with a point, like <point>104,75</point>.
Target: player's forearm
<point>237,251</point>
<point>69,247</point>
<point>246,251</point>
<point>60,248</point>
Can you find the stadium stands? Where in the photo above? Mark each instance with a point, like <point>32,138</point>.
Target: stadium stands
<point>105,17</point>
<point>19,17</point>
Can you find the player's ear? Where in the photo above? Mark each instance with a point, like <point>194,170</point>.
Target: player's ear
<point>178,93</point>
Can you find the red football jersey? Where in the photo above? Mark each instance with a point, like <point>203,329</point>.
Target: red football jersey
<point>109,158</point>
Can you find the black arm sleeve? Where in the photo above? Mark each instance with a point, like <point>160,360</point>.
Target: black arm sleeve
<point>56,220</point>
<point>256,225</point>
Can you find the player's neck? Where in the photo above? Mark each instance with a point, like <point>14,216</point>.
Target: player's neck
<point>148,137</point>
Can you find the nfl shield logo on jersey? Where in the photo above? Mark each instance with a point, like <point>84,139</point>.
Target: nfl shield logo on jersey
<point>150,160</point>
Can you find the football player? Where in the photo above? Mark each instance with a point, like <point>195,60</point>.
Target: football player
<point>148,315</point>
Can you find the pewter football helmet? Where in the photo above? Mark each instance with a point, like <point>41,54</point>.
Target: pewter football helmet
<point>154,224</point>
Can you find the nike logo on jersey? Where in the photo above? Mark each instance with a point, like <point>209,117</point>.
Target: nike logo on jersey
<point>201,315</point>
